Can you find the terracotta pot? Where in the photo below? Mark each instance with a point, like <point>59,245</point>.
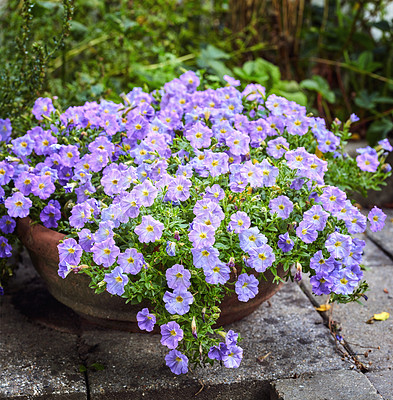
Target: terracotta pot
<point>105,309</point>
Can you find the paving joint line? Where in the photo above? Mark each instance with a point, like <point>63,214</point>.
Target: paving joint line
<point>389,255</point>
<point>82,355</point>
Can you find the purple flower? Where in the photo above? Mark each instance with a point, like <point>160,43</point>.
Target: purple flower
<point>322,283</point>
<point>219,274</point>
<point>69,155</point>
<point>377,219</point>
<point>85,239</point>
<point>23,146</point>
<point>5,248</point>
<point>131,261</point>
<point>285,243</point>
<point>205,257</point>
<point>6,172</point>
<point>178,189</point>
<point>145,193</point>
<point>231,81</point>
<point>146,321</point>
<point>5,129</point>
<point>80,214</point>
<point>115,281</point>
<point>7,224</point>
<point>105,253</point>
<point>306,232</point>
<point>276,148</point>
<point>246,287</point>
<point>344,282</point>
<point>201,235</point>
<point>251,238</point>
<point>42,106</point>
<point>69,252</point>
<point>234,357</point>
<point>338,245</point>
<point>261,258</point>
<point>178,302</point>
<point>317,216</point>
<point>170,248</point>
<point>18,205</point>
<point>178,277</point>
<point>320,264</point>
<point>149,230</point>
<point>51,214</point>
<point>282,206</point>
<point>269,173</point>
<point>367,162</point>
<point>177,362</point>
<point>214,193</point>
<point>240,221</point>
<point>218,352</point>
<point>333,199</point>
<point>172,334</point>
<point>42,186</point>
<point>199,136</point>
<point>384,143</point>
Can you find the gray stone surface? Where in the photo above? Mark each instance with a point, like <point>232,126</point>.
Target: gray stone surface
<point>343,385</point>
<point>383,382</point>
<point>384,237</point>
<point>36,362</point>
<point>290,330</point>
<point>373,256</point>
<point>363,337</point>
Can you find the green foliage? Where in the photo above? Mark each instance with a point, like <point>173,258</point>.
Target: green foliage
<point>23,61</point>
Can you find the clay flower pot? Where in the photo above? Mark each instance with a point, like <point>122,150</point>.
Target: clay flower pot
<point>105,309</point>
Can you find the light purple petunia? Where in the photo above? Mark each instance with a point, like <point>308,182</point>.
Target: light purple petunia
<point>251,238</point>
<point>240,221</point>
<point>7,224</point>
<point>333,199</point>
<point>145,193</point>
<point>306,232</point>
<point>201,235</point>
<point>131,261</point>
<point>149,230</point>
<point>105,253</point>
<point>178,277</point>
<point>317,216</point>
<point>219,274</point>
<point>146,320</point>
<point>205,257</point>
<point>177,362</point>
<point>234,357</point>
<point>18,205</point>
<point>338,245</point>
<point>172,334</point>
<point>70,252</point>
<point>178,189</point>
<point>285,243</point>
<point>377,219</point>
<point>261,258</point>
<point>282,206</point>
<point>115,281</point>
<point>367,162</point>
<point>246,287</point>
<point>178,302</point>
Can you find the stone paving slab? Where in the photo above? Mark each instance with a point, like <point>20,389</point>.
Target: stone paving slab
<point>289,330</point>
<point>383,382</point>
<point>363,337</point>
<point>343,385</point>
<point>36,362</point>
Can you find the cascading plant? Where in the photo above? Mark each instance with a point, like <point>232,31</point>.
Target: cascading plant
<point>182,196</point>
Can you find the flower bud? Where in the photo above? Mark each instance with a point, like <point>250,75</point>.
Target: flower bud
<point>231,262</point>
<point>176,236</point>
<point>194,328</point>
<point>203,314</point>
<point>298,275</point>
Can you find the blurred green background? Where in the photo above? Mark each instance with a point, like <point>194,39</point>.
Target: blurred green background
<point>334,56</point>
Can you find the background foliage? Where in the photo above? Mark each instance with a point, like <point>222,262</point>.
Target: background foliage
<point>335,56</point>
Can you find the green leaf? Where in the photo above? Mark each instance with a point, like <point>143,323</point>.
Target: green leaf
<point>379,130</point>
<point>97,366</point>
<point>82,368</point>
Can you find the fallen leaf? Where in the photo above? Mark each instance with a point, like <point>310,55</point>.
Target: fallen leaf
<point>323,307</point>
<point>383,316</point>
<point>385,291</point>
